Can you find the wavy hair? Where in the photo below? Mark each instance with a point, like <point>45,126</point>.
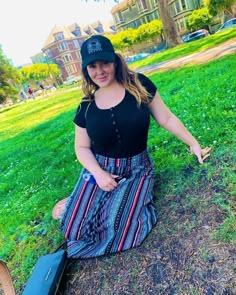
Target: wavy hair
<point>124,76</point>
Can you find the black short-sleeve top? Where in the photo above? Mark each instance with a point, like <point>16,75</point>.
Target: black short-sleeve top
<point>120,131</point>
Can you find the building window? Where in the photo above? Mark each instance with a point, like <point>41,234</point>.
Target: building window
<point>156,15</point>
<point>99,29</point>
<point>119,17</point>
<point>78,54</point>
<point>77,32</point>
<point>71,69</point>
<point>172,10</point>
<point>139,22</point>
<point>67,58</point>
<point>184,5</point>
<point>48,53</point>
<point>181,24</point>
<point>59,36</point>
<point>143,5</point>
<point>76,43</point>
<point>62,46</point>
<point>113,28</point>
<point>177,7</point>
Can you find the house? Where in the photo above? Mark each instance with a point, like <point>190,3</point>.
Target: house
<point>63,44</point>
<point>39,58</point>
<point>62,47</point>
<point>131,14</point>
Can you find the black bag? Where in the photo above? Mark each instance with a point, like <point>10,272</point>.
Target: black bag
<point>47,274</point>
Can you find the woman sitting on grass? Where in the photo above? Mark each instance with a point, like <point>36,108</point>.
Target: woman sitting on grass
<point>111,208</point>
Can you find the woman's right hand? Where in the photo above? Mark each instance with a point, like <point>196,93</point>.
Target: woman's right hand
<point>105,180</point>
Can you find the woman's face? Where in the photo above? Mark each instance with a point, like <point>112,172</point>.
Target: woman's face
<point>102,73</point>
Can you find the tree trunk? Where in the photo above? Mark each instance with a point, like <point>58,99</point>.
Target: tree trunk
<point>233,10</point>
<point>169,27</point>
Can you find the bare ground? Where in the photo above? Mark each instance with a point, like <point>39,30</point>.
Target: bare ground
<point>179,256</point>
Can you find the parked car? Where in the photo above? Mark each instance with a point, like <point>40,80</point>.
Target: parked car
<point>38,92</point>
<point>229,24</point>
<point>136,57</point>
<point>71,80</point>
<point>50,88</point>
<point>196,35</point>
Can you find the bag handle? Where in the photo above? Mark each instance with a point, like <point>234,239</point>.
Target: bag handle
<point>6,280</point>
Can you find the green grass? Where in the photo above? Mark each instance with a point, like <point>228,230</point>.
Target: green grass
<point>187,48</point>
<point>39,167</point>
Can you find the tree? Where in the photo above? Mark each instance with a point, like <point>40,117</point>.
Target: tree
<point>200,18</point>
<point>128,38</point>
<point>9,78</point>
<point>169,27</point>
<point>124,40</point>
<point>216,6</point>
<point>38,72</point>
<point>150,30</point>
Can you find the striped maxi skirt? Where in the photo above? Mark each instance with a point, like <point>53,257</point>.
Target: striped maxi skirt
<point>96,222</point>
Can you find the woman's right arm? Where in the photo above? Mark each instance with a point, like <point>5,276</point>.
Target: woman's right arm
<point>85,156</point>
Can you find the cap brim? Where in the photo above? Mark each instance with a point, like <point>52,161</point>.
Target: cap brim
<point>104,56</point>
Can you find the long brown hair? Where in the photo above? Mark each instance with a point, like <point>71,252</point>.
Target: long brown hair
<point>125,76</point>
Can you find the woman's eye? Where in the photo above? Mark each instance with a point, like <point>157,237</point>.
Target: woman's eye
<point>91,66</point>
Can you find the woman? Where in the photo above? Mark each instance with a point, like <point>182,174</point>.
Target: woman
<point>111,208</point>
<point>31,92</point>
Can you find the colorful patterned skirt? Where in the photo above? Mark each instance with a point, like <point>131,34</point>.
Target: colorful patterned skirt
<point>96,222</point>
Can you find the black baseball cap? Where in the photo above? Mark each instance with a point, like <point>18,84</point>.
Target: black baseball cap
<point>97,48</point>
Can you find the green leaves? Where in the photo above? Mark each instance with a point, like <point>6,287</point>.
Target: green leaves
<point>38,72</point>
<point>9,78</point>
<point>216,6</point>
<point>132,37</point>
<point>200,18</point>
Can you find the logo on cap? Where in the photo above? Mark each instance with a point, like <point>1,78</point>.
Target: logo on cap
<point>94,46</point>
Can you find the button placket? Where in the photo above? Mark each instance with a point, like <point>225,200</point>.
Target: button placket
<point>116,129</point>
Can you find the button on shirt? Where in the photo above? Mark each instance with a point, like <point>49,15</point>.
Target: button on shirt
<point>120,131</point>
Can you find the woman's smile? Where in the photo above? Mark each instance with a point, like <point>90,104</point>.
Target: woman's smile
<point>102,73</point>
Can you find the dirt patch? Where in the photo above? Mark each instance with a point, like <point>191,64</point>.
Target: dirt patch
<point>178,257</point>
<point>201,57</point>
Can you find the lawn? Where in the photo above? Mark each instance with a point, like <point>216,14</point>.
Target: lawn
<point>187,48</point>
<point>194,239</point>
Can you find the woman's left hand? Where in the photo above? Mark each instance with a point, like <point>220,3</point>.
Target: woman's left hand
<point>201,154</point>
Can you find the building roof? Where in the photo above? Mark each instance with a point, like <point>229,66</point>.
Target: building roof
<point>122,5</point>
<point>58,29</point>
<point>96,24</point>
<point>109,28</point>
<point>73,27</point>
<point>86,31</point>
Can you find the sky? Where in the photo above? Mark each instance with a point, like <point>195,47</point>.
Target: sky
<point>26,24</point>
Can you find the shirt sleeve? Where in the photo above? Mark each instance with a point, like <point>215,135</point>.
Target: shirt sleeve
<point>80,115</point>
<point>148,84</point>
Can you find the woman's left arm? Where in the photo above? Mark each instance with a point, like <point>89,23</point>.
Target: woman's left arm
<point>165,118</point>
